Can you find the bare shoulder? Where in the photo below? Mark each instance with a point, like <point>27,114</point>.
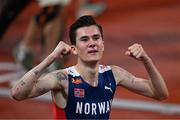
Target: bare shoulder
<point>121,74</point>
<point>117,70</point>
<point>55,76</point>
<point>59,75</point>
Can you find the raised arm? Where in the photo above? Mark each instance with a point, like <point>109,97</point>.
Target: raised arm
<point>32,85</point>
<point>155,87</point>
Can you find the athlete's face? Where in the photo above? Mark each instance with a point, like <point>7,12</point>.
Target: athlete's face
<point>89,44</point>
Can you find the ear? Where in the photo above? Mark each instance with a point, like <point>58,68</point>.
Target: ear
<point>73,50</point>
<point>103,49</point>
<point>103,46</point>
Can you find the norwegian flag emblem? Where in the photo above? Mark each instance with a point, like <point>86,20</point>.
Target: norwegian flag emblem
<point>79,92</point>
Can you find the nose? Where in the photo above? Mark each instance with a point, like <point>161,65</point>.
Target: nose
<point>92,43</point>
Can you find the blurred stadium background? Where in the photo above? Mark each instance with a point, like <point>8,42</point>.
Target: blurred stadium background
<point>153,23</point>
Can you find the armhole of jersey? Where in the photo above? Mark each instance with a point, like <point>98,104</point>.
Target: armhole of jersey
<point>59,113</point>
<point>69,82</point>
<point>113,78</point>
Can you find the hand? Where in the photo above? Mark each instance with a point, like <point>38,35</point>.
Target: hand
<point>136,51</point>
<point>61,50</point>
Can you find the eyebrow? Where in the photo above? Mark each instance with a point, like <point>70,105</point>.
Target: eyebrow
<point>83,37</point>
<point>96,35</point>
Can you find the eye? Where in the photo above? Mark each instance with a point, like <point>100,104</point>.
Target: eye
<point>96,37</point>
<point>84,39</point>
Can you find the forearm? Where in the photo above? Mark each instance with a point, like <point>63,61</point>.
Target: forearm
<point>24,86</point>
<point>158,83</point>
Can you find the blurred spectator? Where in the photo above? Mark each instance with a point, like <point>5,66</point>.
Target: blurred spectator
<point>87,7</point>
<point>9,10</point>
<point>49,24</point>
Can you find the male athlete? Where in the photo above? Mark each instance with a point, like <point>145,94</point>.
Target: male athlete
<point>86,90</point>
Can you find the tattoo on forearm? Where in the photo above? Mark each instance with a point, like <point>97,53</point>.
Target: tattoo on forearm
<point>17,89</point>
<point>36,72</point>
<point>41,90</point>
<point>61,76</point>
<point>35,81</point>
<point>22,83</point>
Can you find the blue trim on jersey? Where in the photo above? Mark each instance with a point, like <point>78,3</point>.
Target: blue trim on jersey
<point>88,102</point>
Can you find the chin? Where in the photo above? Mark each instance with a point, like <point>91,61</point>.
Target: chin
<point>93,60</point>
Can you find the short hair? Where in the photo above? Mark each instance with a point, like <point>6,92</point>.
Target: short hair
<point>83,21</point>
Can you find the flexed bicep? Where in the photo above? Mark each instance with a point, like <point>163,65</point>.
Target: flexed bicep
<point>140,86</point>
<point>129,81</point>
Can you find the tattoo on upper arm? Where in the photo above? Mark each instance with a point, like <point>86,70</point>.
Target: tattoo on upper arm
<point>61,76</point>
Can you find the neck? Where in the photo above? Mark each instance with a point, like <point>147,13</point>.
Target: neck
<point>89,72</point>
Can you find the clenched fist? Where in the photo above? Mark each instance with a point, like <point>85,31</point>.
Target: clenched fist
<point>136,51</point>
<point>61,50</point>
